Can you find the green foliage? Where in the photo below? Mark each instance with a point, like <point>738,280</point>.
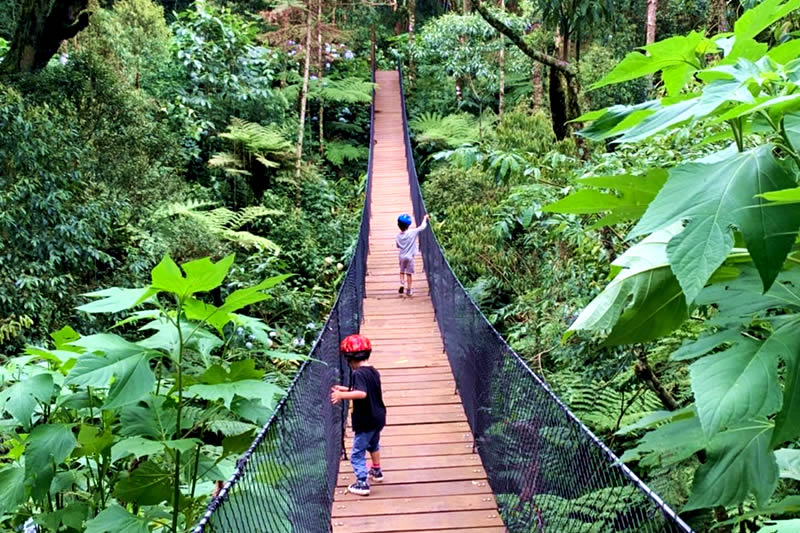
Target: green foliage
<point>115,415</point>
<point>714,242</point>
<point>70,174</point>
<point>226,73</point>
<point>252,143</point>
<point>223,222</point>
<point>132,37</point>
<point>339,152</point>
<point>444,131</point>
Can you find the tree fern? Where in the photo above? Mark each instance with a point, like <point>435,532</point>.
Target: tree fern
<point>347,90</point>
<point>223,222</point>
<point>338,152</point>
<point>451,130</point>
<point>264,144</point>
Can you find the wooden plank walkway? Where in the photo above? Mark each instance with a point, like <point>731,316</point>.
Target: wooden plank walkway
<point>433,480</point>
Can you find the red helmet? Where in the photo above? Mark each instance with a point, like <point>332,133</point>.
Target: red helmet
<point>355,347</point>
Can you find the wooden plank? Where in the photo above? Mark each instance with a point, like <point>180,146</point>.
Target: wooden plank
<point>415,372</point>
<point>415,438</point>
<point>459,473</point>
<point>434,482</point>
<point>415,522</point>
<point>420,490</point>
<point>418,399</point>
<point>422,450</point>
<point>443,504</point>
<point>393,464</point>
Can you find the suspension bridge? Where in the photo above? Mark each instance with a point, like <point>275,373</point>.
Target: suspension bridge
<point>475,441</point>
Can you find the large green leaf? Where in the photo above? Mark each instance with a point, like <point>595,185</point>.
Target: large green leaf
<point>20,400</point>
<point>676,58</point>
<point>115,519</point>
<point>218,317</point>
<point>47,445</point>
<point>742,298</point>
<point>12,488</point>
<point>740,383</point>
<point>781,526</point>
<point>202,275</point>
<point>116,299</point>
<point>705,344</point>
<point>166,338</point>
<point>136,446</point>
<point>605,123</point>
<point>246,388</point>
<point>155,420</point>
<point>739,462</point>
<point>669,444</point>
<point>760,17</point>
<point>788,463</point>
<point>644,290</point>
<point>126,362</point>
<point>634,194</point>
<point>92,441</point>
<point>714,197</point>
<point>149,484</point>
<point>785,340</point>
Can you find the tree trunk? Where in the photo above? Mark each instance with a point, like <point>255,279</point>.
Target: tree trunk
<point>501,61</point>
<point>42,26</point>
<point>525,48</point>
<point>320,73</point>
<point>558,103</point>
<point>564,86</point>
<point>650,25</point>
<point>538,90</point>
<point>412,7</point>
<point>717,21</point>
<point>304,92</point>
<point>467,6</point>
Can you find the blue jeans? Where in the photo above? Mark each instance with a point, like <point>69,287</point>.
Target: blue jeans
<point>368,441</point>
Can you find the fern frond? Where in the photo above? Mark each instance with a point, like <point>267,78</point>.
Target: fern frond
<point>224,222</point>
<point>267,144</point>
<point>224,160</point>
<point>338,152</point>
<point>451,130</point>
<point>347,90</point>
<point>266,162</point>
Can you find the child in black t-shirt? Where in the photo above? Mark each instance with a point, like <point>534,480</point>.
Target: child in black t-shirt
<point>369,413</point>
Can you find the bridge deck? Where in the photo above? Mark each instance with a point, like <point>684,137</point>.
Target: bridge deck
<point>433,480</point>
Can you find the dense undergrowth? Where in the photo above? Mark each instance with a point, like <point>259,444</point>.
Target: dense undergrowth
<point>153,140</point>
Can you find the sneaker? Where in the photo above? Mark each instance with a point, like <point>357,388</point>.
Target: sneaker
<point>376,474</point>
<point>409,292</point>
<point>360,487</point>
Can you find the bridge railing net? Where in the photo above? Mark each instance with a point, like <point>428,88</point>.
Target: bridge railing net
<point>547,470</point>
<point>285,481</point>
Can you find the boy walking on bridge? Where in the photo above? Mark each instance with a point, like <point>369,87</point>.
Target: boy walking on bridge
<point>406,242</point>
<point>369,412</point>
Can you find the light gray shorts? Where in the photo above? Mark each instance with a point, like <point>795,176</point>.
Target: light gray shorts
<point>406,265</point>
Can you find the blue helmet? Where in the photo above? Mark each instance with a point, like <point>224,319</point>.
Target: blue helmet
<point>404,219</point>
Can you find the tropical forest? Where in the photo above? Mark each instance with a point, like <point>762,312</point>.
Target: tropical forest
<point>189,207</point>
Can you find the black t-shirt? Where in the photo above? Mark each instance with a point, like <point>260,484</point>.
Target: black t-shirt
<point>369,414</point>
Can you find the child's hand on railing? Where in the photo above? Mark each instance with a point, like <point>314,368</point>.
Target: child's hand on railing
<point>336,393</point>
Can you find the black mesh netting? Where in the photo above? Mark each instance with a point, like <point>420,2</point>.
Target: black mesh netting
<point>547,470</point>
<point>284,483</point>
